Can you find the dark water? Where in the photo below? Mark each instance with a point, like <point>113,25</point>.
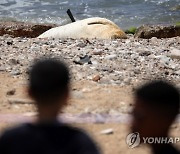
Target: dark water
<point>125,13</point>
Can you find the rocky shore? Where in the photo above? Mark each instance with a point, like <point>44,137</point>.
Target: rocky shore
<point>21,29</point>
<point>106,67</point>
<point>33,30</point>
<point>121,62</point>
<point>104,74</point>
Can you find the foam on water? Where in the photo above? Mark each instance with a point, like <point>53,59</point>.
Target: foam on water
<point>125,13</point>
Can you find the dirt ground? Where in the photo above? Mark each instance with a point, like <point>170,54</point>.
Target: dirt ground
<point>87,97</point>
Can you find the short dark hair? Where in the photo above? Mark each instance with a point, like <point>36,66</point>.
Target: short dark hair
<point>48,80</point>
<point>160,94</point>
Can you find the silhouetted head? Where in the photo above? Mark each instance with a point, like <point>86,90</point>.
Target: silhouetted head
<point>156,107</point>
<point>49,82</point>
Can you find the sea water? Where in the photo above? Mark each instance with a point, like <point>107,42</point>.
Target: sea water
<point>125,13</point>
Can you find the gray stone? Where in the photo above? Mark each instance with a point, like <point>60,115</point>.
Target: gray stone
<point>111,57</point>
<point>178,72</point>
<point>15,72</point>
<point>81,45</point>
<point>13,61</point>
<point>21,29</point>
<point>158,31</point>
<point>175,54</point>
<point>2,69</point>
<point>11,92</point>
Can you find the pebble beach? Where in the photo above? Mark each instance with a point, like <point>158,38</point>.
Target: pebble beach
<point>104,74</point>
<point>119,62</point>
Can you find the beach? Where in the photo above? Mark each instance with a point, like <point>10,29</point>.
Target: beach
<point>104,75</point>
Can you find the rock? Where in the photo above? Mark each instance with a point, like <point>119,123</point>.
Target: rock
<point>107,131</point>
<point>98,52</point>
<point>144,52</point>
<point>81,45</point>
<point>11,92</point>
<point>127,81</point>
<point>20,101</point>
<point>2,69</point>
<point>83,60</point>
<point>163,59</point>
<point>111,57</point>
<point>177,72</point>
<point>15,72</point>
<point>175,54</point>
<point>21,29</point>
<point>154,40</point>
<point>96,27</point>
<point>9,43</point>
<point>95,63</point>
<point>158,31</point>
<point>13,61</point>
<point>96,78</point>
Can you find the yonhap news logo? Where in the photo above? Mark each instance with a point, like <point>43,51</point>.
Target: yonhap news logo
<point>133,140</point>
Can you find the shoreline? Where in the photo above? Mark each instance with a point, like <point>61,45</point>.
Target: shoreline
<point>33,30</point>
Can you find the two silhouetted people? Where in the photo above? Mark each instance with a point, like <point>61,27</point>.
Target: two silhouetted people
<point>49,84</point>
<point>156,106</point>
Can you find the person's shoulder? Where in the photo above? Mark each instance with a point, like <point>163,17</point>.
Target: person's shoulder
<point>171,149</point>
<point>15,131</point>
<point>77,131</point>
<point>83,139</point>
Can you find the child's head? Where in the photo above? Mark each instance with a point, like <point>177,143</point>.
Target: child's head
<point>156,107</point>
<point>49,82</point>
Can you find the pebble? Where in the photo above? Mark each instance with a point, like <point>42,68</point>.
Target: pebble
<point>96,78</point>
<point>178,72</point>
<point>11,92</point>
<point>2,69</point>
<point>127,81</point>
<point>111,57</point>
<point>81,45</point>
<point>15,72</point>
<point>175,54</point>
<point>9,43</point>
<point>154,40</point>
<point>97,52</point>
<point>13,61</point>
